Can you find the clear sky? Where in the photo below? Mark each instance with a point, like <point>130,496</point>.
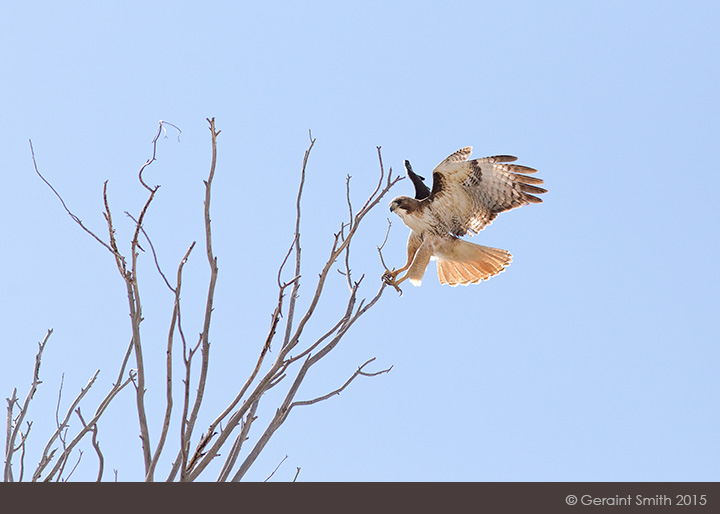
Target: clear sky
<point>594,356</point>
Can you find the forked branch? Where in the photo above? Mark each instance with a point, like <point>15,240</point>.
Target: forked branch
<point>323,345</point>
<point>297,351</point>
<point>14,423</point>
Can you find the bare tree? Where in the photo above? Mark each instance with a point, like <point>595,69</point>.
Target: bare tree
<point>231,427</point>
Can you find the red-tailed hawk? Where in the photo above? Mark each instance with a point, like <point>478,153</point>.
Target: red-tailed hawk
<point>466,196</point>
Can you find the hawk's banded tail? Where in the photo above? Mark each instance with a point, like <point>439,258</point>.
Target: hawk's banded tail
<point>462,263</point>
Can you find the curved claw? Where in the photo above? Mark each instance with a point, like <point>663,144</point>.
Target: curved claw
<point>389,278</point>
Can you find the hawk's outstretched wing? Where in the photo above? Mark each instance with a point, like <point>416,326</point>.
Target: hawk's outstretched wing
<point>467,195</point>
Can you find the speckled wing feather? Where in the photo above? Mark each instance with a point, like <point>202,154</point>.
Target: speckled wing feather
<point>468,195</point>
<point>461,155</point>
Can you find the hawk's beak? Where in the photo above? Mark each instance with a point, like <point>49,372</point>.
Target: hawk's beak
<point>392,207</point>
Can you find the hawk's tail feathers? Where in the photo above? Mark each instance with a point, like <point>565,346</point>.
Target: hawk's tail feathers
<point>463,263</point>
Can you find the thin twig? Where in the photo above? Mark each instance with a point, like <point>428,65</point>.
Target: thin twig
<point>98,413</point>
<point>136,317</point>
<point>80,454</point>
<point>347,248</point>
<point>9,449</point>
<point>62,426</point>
<point>237,445</point>
<point>152,249</point>
<point>276,468</point>
<point>95,444</point>
<point>284,261</point>
<point>336,251</point>
<point>57,405</point>
<point>205,336</point>
<point>135,304</point>
<point>273,325</point>
<point>337,248</point>
<point>73,216</point>
<point>298,250</point>
<point>21,447</point>
<point>340,389</point>
<point>119,258</point>
<point>281,363</point>
<point>161,125</point>
<point>380,248</point>
<point>175,321</point>
<point>278,309</point>
<point>9,429</point>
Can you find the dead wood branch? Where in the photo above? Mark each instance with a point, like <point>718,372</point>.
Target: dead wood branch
<point>14,424</point>
<point>189,423</point>
<point>247,397</point>
<point>299,349</point>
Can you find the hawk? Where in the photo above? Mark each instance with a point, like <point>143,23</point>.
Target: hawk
<point>466,196</point>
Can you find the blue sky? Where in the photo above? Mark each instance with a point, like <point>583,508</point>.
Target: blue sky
<point>593,357</point>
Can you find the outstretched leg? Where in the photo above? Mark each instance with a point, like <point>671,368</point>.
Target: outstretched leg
<point>414,243</point>
<point>416,268</point>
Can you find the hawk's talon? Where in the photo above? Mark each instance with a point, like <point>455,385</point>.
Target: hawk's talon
<point>389,278</point>
<point>466,195</point>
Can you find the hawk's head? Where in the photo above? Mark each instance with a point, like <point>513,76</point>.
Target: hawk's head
<point>410,211</point>
<point>402,205</point>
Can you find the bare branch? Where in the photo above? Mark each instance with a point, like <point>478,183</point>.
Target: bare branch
<point>62,427</point>
<point>287,405</point>
<point>340,389</point>
<point>175,320</point>
<point>101,460</point>
<point>74,218</point>
<point>10,443</point>
<point>380,248</point>
<point>119,258</point>
<point>339,247</point>
<point>298,250</point>
<point>21,447</point>
<point>8,432</point>
<point>95,444</point>
<point>277,371</point>
<point>57,405</point>
<point>273,325</point>
<point>80,454</point>
<point>133,292</point>
<point>212,260</point>
<point>98,413</point>
<point>240,412</point>
<point>276,468</point>
<point>200,452</point>
<point>284,261</point>
<point>161,127</point>
<point>182,459</point>
<point>123,365</point>
<point>276,381</point>
<point>237,445</point>
<point>116,388</point>
<point>152,249</point>
<point>347,248</point>
<point>321,338</point>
